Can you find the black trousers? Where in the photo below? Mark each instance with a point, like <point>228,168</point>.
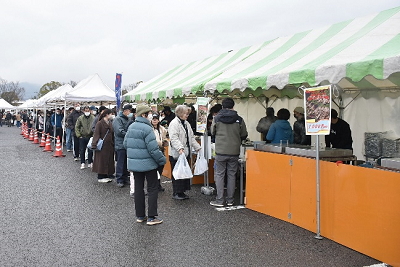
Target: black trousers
<point>180,185</point>
<point>76,147</point>
<point>152,192</point>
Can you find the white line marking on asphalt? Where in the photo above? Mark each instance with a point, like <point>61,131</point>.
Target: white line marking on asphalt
<point>166,182</point>
<point>378,265</point>
<point>230,208</point>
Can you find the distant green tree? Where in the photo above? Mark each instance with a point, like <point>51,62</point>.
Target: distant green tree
<point>72,83</point>
<point>48,87</point>
<point>11,91</point>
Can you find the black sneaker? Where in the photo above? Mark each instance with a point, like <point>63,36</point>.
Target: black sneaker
<point>216,203</point>
<point>184,196</point>
<point>177,197</point>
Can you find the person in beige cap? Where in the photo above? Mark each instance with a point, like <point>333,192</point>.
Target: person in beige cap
<point>299,128</point>
<point>144,158</point>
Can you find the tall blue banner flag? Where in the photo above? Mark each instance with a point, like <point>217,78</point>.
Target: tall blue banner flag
<point>118,80</point>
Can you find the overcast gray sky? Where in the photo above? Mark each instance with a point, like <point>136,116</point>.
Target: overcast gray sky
<point>42,41</point>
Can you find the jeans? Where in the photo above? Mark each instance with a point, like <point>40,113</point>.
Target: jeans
<point>83,141</point>
<point>152,192</point>
<point>228,165</point>
<point>18,124</point>
<point>121,171</point>
<point>69,139</point>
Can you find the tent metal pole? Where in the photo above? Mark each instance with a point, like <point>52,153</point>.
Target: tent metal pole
<point>44,119</point>
<point>55,123</point>
<point>318,236</point>
<point>64,130</point>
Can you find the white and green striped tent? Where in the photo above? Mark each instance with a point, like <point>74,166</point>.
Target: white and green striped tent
<point>358,54</point>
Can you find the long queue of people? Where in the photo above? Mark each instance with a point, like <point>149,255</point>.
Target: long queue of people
<point>133,148</point>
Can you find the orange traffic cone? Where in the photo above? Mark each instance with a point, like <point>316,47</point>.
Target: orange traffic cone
<point>31,136</point>
<point>23,129</point>
<point>36,138</point>
<point>43,141</point>
<point>47,148</point>
<point>58,152</point>
<point>26,135</point>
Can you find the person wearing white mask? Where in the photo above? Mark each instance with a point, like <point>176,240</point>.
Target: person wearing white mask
<point>96,118</point>
<point>71,121</point>
<point>120,126</point>
<point>56,122</point>
<point>83,130</point>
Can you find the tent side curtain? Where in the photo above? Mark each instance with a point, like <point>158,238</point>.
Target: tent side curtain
<point>350,53</point>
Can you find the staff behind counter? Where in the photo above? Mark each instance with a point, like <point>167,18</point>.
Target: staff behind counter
<point>280,130</point>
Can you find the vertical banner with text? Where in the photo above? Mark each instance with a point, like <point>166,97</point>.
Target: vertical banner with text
<point>202,110</point>
<point>317,101</point>
<point>118,80</point>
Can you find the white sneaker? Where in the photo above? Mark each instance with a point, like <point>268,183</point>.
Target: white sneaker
<point>90,165</point>
<point>82,166</point>
<point>104,180</point>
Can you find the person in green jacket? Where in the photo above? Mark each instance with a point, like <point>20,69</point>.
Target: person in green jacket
<point>229,130</point>
<point>83,131</point>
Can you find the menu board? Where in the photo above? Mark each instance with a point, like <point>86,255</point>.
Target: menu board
<point>317,101</point>
<point>202,111</point>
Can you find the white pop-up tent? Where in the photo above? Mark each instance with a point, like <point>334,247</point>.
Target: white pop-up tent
<point>30,103</point>
<point>5,105</point>
<point>57,95</point>
<point>91,89</point>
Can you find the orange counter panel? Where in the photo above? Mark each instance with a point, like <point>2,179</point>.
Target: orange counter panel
<point>360,207</point>
<point>303,198</point>
<point>268,191</point>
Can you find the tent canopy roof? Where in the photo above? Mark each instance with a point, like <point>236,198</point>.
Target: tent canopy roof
<point>91,89</point>
<point>5,105</point>
<point>362,53</point>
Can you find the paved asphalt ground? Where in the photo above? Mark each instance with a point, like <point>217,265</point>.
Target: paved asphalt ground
<point>54,214</point>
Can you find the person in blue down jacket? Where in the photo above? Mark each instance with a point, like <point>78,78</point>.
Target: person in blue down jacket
<point>281,130</point>
<point>144,158</point>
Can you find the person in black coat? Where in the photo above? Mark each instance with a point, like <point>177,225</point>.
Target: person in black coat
<point>71,121</point>
<point>340,135</point>
<point>299,128</point>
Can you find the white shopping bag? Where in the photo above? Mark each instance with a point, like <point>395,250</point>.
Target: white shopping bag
<point>201,165</point>
<point>182,169</point>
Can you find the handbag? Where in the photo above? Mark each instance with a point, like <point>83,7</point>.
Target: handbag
<point>99,143</point>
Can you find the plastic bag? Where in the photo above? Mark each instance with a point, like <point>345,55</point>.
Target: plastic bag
<point>182,169</point>
<point>201,165</point>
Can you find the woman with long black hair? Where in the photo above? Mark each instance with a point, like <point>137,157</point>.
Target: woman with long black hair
<point>161,137</point>
<point>103,163</point>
